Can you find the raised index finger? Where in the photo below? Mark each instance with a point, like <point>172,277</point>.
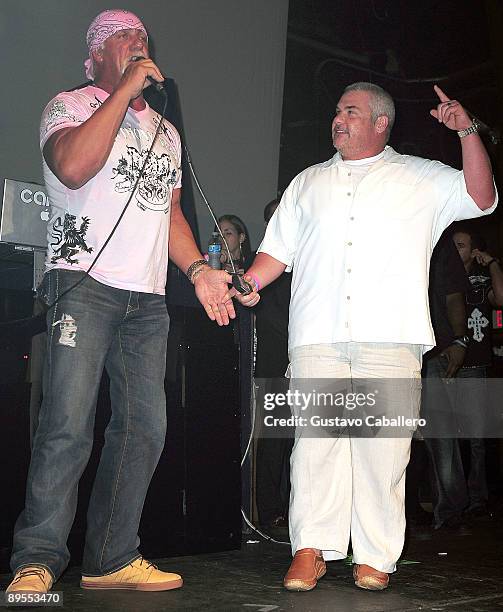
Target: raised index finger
<point>440,94</point>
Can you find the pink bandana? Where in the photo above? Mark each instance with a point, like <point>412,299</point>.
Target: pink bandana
<point>103,26</point>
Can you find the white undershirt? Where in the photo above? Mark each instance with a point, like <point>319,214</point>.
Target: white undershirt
<point>360,167</point>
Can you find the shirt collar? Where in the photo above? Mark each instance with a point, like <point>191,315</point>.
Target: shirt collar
<point>390,157</point>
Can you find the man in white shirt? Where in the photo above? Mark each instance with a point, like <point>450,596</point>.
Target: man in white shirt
<point>107,157</point>
<point>362,312</point>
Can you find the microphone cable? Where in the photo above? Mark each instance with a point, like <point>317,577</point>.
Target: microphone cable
<point>209,207</point>
<point>246,519</point>
<point>253,386</point>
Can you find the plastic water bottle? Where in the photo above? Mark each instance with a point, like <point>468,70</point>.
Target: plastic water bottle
<point>214,251</point>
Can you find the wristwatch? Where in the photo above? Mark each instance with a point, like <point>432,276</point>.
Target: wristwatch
<point>474,127</point>
<point>461,340</point>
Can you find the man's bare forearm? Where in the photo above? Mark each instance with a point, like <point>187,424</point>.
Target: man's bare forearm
<point>477,171</point>
<point>496,281</point>
<point>266,269</point>
<point>183,250</point>
<point>456,313</point>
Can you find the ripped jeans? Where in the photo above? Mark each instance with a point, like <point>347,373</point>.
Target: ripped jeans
<point>92,328</point>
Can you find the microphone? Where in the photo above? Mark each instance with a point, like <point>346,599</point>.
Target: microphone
<point>158,86</point>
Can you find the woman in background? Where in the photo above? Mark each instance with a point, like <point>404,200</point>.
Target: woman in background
<point>238,241</point>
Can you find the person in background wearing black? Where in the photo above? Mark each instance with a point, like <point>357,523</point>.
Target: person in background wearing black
<point>485,293</point>
<point>273,455</point>
<point>448,284</point>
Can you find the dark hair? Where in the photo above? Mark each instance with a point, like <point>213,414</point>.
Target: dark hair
<point>476,240</point>
<point>240,228</point>
<point>269,209</point>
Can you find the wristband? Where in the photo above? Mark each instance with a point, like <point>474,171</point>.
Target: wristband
<point>460,343</point>
<point>255,280</point>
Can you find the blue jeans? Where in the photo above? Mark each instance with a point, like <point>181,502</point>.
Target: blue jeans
<point>455,493</point>
<point>91,328</point>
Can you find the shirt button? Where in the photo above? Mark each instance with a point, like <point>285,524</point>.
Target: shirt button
<point>349,270</point>
<point>349,193</point>
<point>350,243</point>
<point>351,218</point>
<point>348,297</point>
<point>349,173</point>
<point>346,324</point>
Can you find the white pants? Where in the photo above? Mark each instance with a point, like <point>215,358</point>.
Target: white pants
<point>342,487</point>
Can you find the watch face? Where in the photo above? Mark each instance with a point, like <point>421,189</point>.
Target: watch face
<point>464,339</point>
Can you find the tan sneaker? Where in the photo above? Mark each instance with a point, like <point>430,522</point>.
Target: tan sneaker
<point>139,575</point>
<point>31,579</point>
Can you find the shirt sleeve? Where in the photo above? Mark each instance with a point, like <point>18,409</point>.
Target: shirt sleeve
<point>65,110</point>
<point>280,238</point>
<point>455,202</point>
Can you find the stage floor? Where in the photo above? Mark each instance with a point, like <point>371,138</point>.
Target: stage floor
<point>439,570</point>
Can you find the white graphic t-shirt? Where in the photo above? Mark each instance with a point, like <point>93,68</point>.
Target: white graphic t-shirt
<point>81,220</point>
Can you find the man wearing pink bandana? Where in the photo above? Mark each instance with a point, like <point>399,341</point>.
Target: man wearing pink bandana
<point>102,160</point>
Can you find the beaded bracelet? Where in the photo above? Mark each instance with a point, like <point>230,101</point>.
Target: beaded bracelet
<point>198,272</point>
<point>194,267</point>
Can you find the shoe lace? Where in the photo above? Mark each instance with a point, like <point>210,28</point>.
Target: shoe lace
<point>142,561</point>
<point>31,571</point>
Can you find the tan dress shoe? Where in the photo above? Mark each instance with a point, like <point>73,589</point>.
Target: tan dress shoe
<point>306,569</point>
<point>369,578</point>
